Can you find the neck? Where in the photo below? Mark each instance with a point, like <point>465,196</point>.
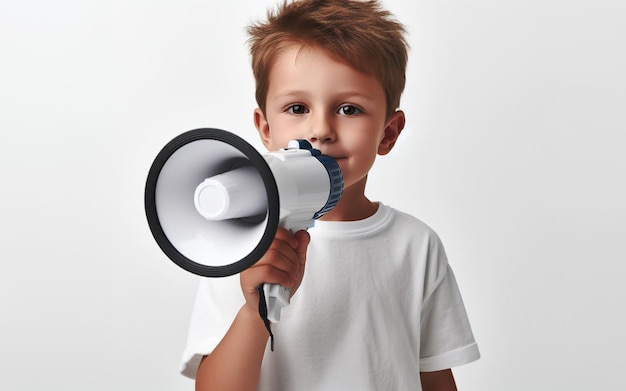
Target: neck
<point>353,205</point>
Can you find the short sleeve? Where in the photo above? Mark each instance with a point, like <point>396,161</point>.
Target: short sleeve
<point>217,302</point>
<point>446,336</point>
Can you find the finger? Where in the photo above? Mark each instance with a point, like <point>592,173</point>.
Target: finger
<point>281,259</point>
<point>279,264</point>
<point>298,277</point>
<point>303,243</point>
<point>279,254</point>
<point>303,239</point>
<point>286,236</point>
<point>267,274</point>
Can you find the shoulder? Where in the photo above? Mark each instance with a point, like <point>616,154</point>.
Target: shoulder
<point>407,225</point>
<point>416,239</point>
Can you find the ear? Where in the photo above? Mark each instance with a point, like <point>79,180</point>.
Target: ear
<point>392,132</point>
<point>260,122</point>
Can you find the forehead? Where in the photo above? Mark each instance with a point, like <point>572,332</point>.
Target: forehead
<point>311,68</point>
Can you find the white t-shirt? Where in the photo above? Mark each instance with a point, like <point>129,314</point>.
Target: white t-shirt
<point>377,305</point>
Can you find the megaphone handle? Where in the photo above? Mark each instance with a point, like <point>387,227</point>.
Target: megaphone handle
<point>276,298</point>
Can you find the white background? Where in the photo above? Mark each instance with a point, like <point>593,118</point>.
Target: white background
<point>513,152</point>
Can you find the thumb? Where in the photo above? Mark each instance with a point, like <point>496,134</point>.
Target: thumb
<point>303,239</point>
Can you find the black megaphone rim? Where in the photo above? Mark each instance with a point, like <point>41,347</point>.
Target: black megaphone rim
<point>273,210</point>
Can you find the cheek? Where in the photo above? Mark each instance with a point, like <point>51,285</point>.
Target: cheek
<point>280,134</point>
<point>364,155</point>
<point>278,140</point>
<point>360,162</point>
<point>364,149</point>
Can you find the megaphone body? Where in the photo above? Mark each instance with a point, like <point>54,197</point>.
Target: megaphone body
<point>214,203</point>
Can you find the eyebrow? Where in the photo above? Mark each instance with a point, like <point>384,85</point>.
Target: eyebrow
<point>290,93</point>
<point>342,95</point>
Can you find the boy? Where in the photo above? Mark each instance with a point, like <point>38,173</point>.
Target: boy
<point>379,308</point>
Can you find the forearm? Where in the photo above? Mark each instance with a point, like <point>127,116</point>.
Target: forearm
<point>235,363</point>
<point>438,381</point>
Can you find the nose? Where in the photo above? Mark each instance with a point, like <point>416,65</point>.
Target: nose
<point>321,130</point>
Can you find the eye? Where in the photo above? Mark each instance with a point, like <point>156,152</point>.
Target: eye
<point>349,110</point>
<point>297,109</point>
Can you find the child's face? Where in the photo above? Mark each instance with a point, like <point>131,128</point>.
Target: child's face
<point>338,109</point>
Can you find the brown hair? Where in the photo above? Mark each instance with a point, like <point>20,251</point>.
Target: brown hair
<point>358,33</point>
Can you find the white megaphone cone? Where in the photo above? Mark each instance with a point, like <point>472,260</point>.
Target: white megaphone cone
<point>214,203</point>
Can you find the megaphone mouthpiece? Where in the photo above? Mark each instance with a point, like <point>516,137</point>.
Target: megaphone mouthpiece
<point>238,193</point>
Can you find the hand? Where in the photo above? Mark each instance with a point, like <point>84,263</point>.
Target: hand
<point>283,264</point>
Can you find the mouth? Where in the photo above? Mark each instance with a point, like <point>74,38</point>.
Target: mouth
<point>332,156</point>
<point>337,159</point>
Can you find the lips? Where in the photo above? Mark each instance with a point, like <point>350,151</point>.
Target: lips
<point>338,159</point>
<point>332,155</point>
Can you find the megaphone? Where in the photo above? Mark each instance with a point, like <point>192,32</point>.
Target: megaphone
<point>214,203</point>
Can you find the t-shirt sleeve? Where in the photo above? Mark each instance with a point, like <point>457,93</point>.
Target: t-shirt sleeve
<point>217,302</point>
<point>446,336</point>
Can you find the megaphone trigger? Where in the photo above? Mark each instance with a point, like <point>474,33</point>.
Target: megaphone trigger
<point>277,297</point>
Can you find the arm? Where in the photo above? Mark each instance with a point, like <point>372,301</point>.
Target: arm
<point>438,381</point>
<point>235,363</point>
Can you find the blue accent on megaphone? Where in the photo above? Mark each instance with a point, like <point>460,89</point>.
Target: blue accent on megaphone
<point>334,173</point>
<point>336,184</point>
